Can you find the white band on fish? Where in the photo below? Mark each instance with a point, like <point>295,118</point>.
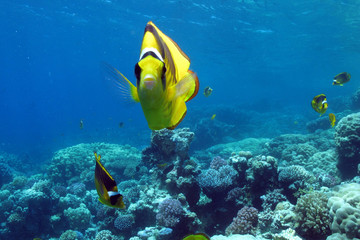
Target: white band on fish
<point>154,50</point>
<point>324,102</point>
<point>111,193</point>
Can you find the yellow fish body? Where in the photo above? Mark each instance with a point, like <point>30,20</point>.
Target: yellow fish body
<point>106,186</point>
<point>197,236</point>
<point>341,78</point>
<point>164,82</point>
<point>213,116</point>
<point>319,104</point>
<point>332,119</point>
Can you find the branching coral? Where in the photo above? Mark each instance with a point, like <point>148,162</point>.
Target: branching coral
<point>312,215</point>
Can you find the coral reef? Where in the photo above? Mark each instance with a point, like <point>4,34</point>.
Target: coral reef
<point>245,221</point>
<point>76,163</point>
<point>170,212</point>
<point>344,209</point>
<point>347,140</point>
<point>312,215</point>
<point>167,146</point>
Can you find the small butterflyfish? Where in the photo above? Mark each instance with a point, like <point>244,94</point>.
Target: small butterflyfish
<point>207,91</point>
<point>332,119</point>
<point>197,236</point>
<point>164,82</point>
<point>106,186</point>
<point>341,78</point>
<point>213,116</point>
<point>319,104</point>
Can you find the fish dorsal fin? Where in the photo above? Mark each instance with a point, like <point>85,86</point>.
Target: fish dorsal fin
<point>125,87</point>
<point>176,61</point>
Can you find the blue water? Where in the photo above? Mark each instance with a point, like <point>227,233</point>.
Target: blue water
<point>252,53</point>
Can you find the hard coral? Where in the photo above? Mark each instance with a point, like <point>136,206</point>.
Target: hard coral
<point>312,215</point>
<point>124,222</point>
<point>105,235</point>
<point>78,218</point>
<point>345,209</point>
<point>347,140</point>
<point>170,212</point>
<point>245,222</point>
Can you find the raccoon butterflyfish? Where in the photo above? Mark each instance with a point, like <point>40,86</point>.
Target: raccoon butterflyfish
<point>341,78</point>
<point>207,91</point>
<point>319,104</point>
<point>213,116</point>
<point>332,119</point>
<point>197,236</point>
<point>164,82</point>
<point>106,186</point>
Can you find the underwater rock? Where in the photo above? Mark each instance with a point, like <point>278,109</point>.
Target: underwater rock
<point>347,140</point>
<point>344,209</point>
<point>253,145</point>
<point>167,146</point>
<point>6,174</point>
<point>318,123</point>
<point>233,237</point>
<point>214,131</point>
<point>262,173</point>
<point>355,100</point>
<point>288,234</point>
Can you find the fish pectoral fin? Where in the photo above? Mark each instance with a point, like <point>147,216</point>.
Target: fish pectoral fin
<point>125,87</point>
<point>187,87</point>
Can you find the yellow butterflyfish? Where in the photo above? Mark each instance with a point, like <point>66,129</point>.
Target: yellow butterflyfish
<point>319,104</point>
<point>341,78</point>
<point>106,186</point>
<point>164,82</point>
<point>332,119</point>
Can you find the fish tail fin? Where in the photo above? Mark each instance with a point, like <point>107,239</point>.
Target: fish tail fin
<point>125,87</point>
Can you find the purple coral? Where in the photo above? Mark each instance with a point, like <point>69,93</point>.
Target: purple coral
<point>217,180</point>
<point>170,211</point>
<point>217,163</point>
<point>245,221</point>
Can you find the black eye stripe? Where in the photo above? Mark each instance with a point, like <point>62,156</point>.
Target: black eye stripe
<point>137,74</point>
